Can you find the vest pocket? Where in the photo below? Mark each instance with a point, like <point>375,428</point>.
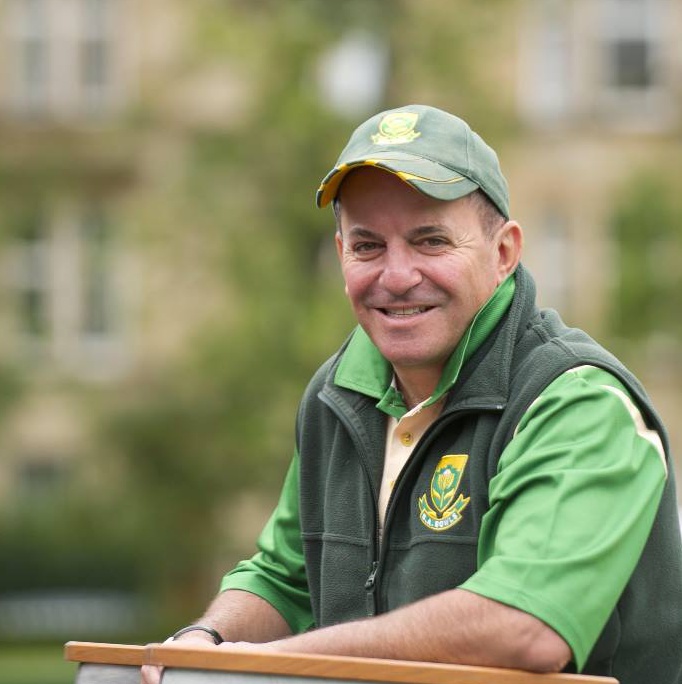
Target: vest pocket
<point>425,568</point>
<point>338,570</point>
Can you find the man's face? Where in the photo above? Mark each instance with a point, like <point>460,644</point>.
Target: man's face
<point>416,269</point>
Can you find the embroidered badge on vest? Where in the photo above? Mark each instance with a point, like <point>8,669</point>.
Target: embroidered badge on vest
<point>397,128</point>
<point>444,512</point>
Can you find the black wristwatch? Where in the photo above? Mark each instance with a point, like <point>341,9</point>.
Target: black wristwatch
<point>215,634</point>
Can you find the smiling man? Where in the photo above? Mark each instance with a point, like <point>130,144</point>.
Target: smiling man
<point>417,270</point>
<point>473,482</point>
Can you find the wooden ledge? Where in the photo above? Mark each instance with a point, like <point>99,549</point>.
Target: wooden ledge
<point>236,659</point>
<point>109,654</point>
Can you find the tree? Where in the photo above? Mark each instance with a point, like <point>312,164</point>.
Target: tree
<point>647,227</point>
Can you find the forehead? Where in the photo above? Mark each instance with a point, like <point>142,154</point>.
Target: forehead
<point>373,195</point>
<point>370,180</point>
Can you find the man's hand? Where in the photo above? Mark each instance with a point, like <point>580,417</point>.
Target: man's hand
<point>239,616</point>
<point>151,674</point>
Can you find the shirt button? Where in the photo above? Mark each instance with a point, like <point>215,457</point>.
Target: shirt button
<point>406,438</point>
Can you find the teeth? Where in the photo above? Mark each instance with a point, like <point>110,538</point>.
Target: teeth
<point>408,312</point>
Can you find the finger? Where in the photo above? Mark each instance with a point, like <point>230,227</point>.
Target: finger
<point>150,674</point>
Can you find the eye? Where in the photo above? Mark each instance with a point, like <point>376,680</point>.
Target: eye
<point>433,243</point>
<point>366,249</point>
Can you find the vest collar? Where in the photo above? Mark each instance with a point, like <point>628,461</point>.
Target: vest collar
<point>363,369</point>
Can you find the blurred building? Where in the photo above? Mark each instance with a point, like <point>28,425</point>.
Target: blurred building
<point>90,295</point>
<point>87,296</point>
<point>64,76</point>
<point>599,89</point>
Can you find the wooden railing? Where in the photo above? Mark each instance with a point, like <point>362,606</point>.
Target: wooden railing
<point>120,664</point>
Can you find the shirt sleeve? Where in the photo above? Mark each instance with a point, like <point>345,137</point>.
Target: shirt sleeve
<point>276,572</point>
<point>571,507</point>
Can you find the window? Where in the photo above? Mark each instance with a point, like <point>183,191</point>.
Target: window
<point>601,61</point>
<point>545,81</point>
<point>632,88</point>
<point>632,64</point>
<point>630,31</point>
<point>32,276</point>
<point>31,47</point>
<point>63,262</point>
<point>96,54</point>
<point>41,478</point>
<point>62,58</point>
<point>97,286</point>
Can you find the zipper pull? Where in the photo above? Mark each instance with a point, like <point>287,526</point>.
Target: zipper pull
<point>370,588</point>
<point>369,584</point>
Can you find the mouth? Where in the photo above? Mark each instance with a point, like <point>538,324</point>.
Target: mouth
<point>405,311</point>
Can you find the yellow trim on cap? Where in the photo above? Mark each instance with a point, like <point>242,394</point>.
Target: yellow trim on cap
<point>404,175</point>
<point>327,190</point>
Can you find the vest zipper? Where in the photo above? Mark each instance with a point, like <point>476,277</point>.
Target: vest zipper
<point>370,588</point>
<point>369,584</point>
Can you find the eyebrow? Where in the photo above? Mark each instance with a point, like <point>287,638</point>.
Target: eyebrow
<point>421,231</point>
<point>360,232</point>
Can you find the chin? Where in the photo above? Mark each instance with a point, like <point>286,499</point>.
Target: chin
<point>411,362</point>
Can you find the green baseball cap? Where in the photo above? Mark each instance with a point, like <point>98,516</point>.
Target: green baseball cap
<point>435,152</point>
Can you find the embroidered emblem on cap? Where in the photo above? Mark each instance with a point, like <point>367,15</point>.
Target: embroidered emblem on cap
<point>397,128</point>
<point>444,511</point>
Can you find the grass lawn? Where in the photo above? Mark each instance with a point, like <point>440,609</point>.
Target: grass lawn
<point>42,664</point>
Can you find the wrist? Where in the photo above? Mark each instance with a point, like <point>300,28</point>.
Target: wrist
<point>208,633</point>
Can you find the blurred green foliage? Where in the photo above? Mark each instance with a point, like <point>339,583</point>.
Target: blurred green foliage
<point>35,665</point>
<point>65,546</point>
<point>647,232</point>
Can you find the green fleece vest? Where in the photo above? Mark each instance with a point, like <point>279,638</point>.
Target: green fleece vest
<point>340,438</point>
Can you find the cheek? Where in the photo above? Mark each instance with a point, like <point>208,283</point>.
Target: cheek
<point>354,293</point>
<point>358,279</point>
<point>469,281</point>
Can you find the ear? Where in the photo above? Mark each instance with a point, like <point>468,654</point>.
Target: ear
<point>338,239</point>
<point>509,241</point>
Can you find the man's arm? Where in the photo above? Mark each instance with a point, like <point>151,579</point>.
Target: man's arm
<point>456,626</point>
<point>242,616</point>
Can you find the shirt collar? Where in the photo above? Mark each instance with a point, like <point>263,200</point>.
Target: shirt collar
<point>363,369</point>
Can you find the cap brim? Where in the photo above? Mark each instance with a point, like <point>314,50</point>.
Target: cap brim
<point>428,177</point>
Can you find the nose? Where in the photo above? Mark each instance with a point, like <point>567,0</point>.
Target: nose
<point>399,273</point>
